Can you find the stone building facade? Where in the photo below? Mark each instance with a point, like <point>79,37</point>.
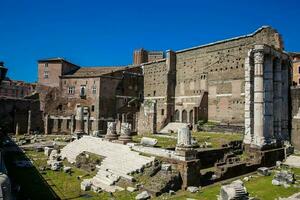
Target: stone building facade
<point>200,83</point>
<point>267,83</point>
<point>295,114</point>
<point>105,94</point>
<point>142,56</point>
<point>296,68</point>
<point>205,82</point>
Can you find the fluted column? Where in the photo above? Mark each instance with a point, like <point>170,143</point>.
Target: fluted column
<point>111,132</point>
<point>248,98</point>
<point>258,98</point>
<point>277,98</point>
<point>285,100</point>
<point>268,98</point>
<point>125,133</point>
<point>184,137</point>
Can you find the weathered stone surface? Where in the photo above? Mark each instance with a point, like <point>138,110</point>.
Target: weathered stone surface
<point>111,131</point>
<point>79,130</point>
<point>264,171</point>
<point>86,185</point>
<point>143,196</point>
<point>131,189</point>
<point>67,169</point>
<point>148,141</point>
<point>293,161</point>
<point>275,182</point>
<point>235,190</point>
<point>192,189</point>
<point>284,177</point>
<point>108,172</point>
<point>166,167</point>
<point>47,151</point>
<point>184,137</point>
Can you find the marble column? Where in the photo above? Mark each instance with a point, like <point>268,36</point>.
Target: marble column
<point>248,98</point>
<point>184,147</point>
<point>72,124</point>
<point>29,122</point>
<point>184,137</point>
<point>125,133</point>
<point>277,98</point>
<point>258,137</point>
<point>17,129</point>
<point>97,121</point>
<point>268,99</point>
<point>79,130</point>
<point>180,115</point>
<point>46,126</point>
<point>111,133</point>
<point>87,123</point>
<point>285,100</point>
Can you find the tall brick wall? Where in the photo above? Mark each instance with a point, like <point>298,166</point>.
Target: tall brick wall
<point>216,68</point>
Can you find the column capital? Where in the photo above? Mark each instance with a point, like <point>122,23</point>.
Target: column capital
<point>258,56</point>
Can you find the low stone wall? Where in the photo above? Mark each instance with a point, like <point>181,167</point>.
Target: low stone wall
<point>14,113</point>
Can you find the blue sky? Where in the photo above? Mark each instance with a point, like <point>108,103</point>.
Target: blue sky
<point>95,32</point>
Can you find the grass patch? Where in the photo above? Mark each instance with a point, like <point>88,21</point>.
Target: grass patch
<point>162,142</point>
<point>51,185</point>
<point>216,139</point>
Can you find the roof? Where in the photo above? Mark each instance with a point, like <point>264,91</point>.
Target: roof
<point>226,40</point>
<point>294,54</point>
<point>95,71</point>
<point>55,59</point>
<point>52,59</point>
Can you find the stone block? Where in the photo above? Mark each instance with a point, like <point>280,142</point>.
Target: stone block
<point>192,189</point>
<point>131,189</point>
<point>143,196</point>
<point>86,185</point>
<point>148,141</point>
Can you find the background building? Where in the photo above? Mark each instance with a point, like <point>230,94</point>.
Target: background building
<point>296,68</point>
<point>142,56</point>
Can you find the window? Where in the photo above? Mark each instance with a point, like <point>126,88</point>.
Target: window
<point>82,90</point>
<point>93,108</point>
<point>299,69</point>
<point>46,65</point>
<point>162,111</point>
<point>94,89</point>
<point>71,90</point>
<point>46,74</point>
<point>154,92</point>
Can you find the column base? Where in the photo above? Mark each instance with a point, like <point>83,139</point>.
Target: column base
<point>188,152</point>
<point>124,139</point>
<point>111,137</point>
<point>79,133</point>
<point>265,144</point>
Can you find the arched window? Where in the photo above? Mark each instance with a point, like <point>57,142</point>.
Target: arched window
<point>191,116</point>
<point>184,116</point>
<point>176,115</point>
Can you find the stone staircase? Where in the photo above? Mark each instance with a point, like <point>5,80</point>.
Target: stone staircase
<point>172,126</point>
<point>119,160</point>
